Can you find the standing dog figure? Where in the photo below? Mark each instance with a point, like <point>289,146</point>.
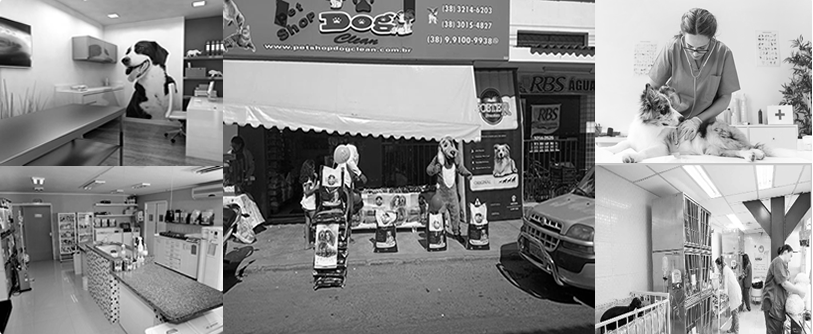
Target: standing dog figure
<point>145,64</point>
<point>447,164</point>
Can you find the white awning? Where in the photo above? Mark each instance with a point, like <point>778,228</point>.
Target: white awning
<point>421,102</point>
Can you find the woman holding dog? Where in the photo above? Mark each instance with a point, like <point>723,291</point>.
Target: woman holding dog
<point>700,68</point>
<point>777,289</point>
<point>732,288</point>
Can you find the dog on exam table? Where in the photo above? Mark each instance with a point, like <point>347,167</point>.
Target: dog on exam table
<point>620,310</point>
<point>145,65</point>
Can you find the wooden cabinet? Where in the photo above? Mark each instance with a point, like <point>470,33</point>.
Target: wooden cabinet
<point>776,136</point>
<point>87,48</point>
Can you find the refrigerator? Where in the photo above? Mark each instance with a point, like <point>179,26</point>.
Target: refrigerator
<point>682,263</point>
<point>210,261</point>
<point>66,224</point>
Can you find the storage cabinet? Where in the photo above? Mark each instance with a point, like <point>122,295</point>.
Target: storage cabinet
<point>682,261</point>
<point>777,136</point>
<point>178,255</point>
<point>87,48</point>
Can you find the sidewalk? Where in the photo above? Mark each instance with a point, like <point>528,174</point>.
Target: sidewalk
<point>281,247</point>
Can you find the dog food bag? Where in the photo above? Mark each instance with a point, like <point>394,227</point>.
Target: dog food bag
<point>435,233</point>
<point>325,251</point>
<point>478,227</point>
<point>385,232</point>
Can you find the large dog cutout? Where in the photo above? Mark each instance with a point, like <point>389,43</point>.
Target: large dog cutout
<point>447,164</point>
<point>145,64</point>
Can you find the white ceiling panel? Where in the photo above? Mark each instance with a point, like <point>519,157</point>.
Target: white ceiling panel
<point>786,174</point>
<point>805,174</point>
<point>658,186</point>
<point>631,172</point>
<point>142,10</point>
<point>776,191</point>
<point>683,182</point>
<point>731,180</point>
<point>662,167</point>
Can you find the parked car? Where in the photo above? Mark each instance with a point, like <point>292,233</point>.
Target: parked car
<point>557,235</point>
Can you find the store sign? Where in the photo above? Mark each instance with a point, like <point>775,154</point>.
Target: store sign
<point>496,99</point>
<point>367,29</point>
<point>553,84</point>
<point>545,118</point>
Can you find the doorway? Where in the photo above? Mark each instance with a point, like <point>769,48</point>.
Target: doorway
<point>153,222</point>
<point>37,232</point>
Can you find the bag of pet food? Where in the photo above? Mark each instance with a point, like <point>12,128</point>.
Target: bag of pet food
<point>325,251</point>
<point>436,233</point>
<point>478,227</point>
<point>385,232</point>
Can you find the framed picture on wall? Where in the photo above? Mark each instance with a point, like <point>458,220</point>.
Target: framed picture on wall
<point>16,44</point>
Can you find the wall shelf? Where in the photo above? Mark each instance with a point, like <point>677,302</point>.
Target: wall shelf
<point>109,216</point>
<point>114,204</point>
<point>204,58</point>
<point>204,79</point>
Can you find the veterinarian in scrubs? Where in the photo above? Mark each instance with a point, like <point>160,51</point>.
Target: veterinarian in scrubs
<point>777,288</point>
<point>700,68</point>
<point>745,280</point>
<point>732,288</point>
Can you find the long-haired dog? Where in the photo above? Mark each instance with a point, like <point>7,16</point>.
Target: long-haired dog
<point>651,133</point>
<point>503,163</point>
<point>145,64</point>
<point>399,204</point>
<point>620,310</point>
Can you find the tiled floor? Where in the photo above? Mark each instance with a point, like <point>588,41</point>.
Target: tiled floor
<point>56,304</point>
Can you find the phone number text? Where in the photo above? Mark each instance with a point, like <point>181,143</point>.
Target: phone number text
<point>480,25</point>
<point>467,9</point>
<point>462,40</point>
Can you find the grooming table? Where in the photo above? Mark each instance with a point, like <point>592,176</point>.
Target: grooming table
<point>52,137</point>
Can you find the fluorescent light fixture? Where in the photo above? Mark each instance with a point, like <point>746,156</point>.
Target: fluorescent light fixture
<point>209,169</point>
<point>141,185</point>
<point>113,15</point>
<point>736,221</point>
<point>38,181</point>
<point>702,179</point>
<point>117,191</point>
<point>91,184</point>
<point>199,4</point>
<point>764,177</point>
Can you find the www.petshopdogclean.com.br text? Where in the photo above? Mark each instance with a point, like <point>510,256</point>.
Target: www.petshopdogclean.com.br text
<point>337,48</point>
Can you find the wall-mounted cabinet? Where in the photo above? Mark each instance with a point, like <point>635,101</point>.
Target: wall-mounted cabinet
<point>87,48</point>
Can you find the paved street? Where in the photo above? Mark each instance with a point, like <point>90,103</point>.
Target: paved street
<point>462,292</point>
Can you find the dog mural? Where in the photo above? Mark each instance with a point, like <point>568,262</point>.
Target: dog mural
<point>336,4</point>
<point>447,164</point>
<point>145,65</point>
<point>433,15</point>
<point>503,163</point>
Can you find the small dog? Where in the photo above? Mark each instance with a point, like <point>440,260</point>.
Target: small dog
<point>653,129</point>
<point>232,15</point>
<point>433,15</point>
<point>145,64</point>
<point>241,38</point>
<point>620,310</point>
<point>398,204</point>
<point>503,163</point>
<point>336,4</point>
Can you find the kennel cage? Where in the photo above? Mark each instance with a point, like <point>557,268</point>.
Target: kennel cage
<point>652,318</point>
<point>682,261</point>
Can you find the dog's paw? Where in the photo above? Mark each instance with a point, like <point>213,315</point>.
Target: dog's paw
<point>629,158</point>
<point>748,155</point>
<point>758,154</point>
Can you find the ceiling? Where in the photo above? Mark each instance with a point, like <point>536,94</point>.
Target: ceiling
<point>69,180</point>
<point>142,10</point>
<point>736,183</point>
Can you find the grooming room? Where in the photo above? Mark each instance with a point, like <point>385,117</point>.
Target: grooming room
<point>90,82</point>
<point>694,246</point>
<point>742,64</point>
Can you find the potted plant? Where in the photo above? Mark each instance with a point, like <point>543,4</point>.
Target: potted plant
<point>15,105</point>
<point>797,91</point>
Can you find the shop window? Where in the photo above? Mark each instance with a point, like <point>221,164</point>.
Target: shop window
<point>404,162</point>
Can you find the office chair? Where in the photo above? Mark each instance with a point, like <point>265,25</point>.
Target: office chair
<point>176,115</point>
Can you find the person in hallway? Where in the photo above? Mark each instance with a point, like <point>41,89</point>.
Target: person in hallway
<point>745,282</point>
<point>310,184</point>
<point>241,167</point>
<point>777,288</point>
<point>700,68</point>
<point>732,288</point>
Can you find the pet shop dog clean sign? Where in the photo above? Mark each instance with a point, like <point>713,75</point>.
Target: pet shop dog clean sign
<point>366,29</point>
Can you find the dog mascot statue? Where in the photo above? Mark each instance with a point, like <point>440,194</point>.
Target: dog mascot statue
<point>446,165</point>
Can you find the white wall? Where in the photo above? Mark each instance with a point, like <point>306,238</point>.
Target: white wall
<point>535,15</point>
<point>623,233</point>
<point>52,26</point>
<point>181,199</point>
<point>623,24</point>
<point>169,33</point>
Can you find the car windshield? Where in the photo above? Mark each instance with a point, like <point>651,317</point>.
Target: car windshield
<point>587,186</point>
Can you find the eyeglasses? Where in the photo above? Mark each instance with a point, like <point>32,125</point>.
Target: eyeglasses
<point>702,50</point>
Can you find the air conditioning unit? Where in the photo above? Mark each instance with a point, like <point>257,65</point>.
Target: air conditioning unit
<point>208,191</point>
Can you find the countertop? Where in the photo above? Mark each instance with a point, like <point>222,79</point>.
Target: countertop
<point>177,297</point>
<point>90,90</point>
<point>89,246</point>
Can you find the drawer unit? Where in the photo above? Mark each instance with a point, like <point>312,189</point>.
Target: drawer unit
<point>777,136</point>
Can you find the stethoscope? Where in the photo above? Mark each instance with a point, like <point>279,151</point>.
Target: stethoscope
<point>694,85</point>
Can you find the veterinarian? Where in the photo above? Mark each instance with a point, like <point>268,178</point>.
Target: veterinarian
<point>700,68</point>
<point>243,165</point>
<point>734,292</point>
<point>745,280</point>
<point>776,291</point>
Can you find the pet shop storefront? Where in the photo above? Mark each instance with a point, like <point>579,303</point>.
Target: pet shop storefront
<point>387,80</point>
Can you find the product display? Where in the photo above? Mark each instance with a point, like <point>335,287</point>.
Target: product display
<point>67,235</point>
<point>436,232</point>
<point>385,236</point>
<point>332,232</point>
<point>478,226</point>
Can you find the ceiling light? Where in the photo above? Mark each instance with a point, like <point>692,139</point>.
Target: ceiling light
<point>117,191</point>
<point>199,4</point>
<point>113,15</point>
<point>764,177</point>
<point>91,184</point>
<point>702,179</point>
<point>40,189</point>
<point>736,221</point>
<point>141,185</point>
<point>38,180</point>
<point>204,170</point>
